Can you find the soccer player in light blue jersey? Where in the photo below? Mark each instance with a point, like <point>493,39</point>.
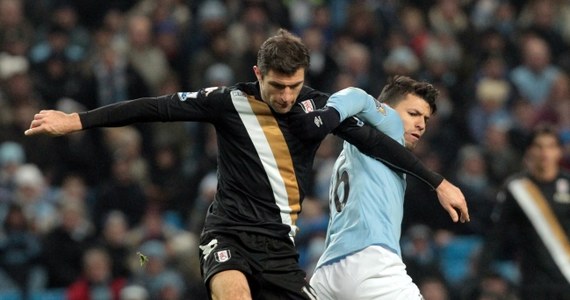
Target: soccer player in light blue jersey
<point>362,259</point>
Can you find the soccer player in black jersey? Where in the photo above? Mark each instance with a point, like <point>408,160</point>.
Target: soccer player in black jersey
<point>531,221</point>
<point>268,132</point>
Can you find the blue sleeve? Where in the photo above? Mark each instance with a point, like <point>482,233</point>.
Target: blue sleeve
<point>390,123</point>
<point>356,102</point>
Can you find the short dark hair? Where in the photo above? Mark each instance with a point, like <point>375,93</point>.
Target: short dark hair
<point>399,86</point>
<point>540,130</point>
<point>284,53</point>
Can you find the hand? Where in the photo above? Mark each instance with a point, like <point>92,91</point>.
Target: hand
<point>453,201</point>
<point>54,123</point>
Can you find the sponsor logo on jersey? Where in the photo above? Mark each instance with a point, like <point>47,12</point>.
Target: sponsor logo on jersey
<point>380,107</point>
<point>208,90</point>
<point>318,121</point>
<point>359,122</point>
<point>308,105</point>
<point>208,248</point>
<point>222,255</point>
<point>187,95</point>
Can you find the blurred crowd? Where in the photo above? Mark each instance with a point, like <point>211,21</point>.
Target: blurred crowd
<point>75,210</point>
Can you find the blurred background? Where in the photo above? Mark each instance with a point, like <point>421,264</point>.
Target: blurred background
<point>74,210</point>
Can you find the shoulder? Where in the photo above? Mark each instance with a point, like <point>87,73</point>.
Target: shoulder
<point>307,91</point>
<point>515,177</point>
<point>351,92</point>
<point>310,99</point>
<point>221,94</point>
<point>250,88</point>
<point>208,92</point>
<point>513,181</point>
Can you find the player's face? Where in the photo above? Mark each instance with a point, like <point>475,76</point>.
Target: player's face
<point>415,113</point>
<point>544,153</point>
<point>279,90</point>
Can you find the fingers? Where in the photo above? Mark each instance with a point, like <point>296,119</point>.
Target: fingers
<point>461,213</point>
<point>457,209</point>
<point>31,131</point>
<point>453,201</point>
<point>35,127</point>
<point>453,214</point>
<point>36,124</point>
<point>464,213</point>
<point>41,114</point>
<point>462,208</point>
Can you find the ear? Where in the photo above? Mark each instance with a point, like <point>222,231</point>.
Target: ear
<point>257,73</point>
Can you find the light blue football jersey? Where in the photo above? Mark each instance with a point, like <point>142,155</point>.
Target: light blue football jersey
<point>366,198</point>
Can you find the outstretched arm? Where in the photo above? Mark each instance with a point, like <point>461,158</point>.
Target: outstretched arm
<point>57,123</point>
<point>376,144</point>
<point>204,105</point>
<point>380,146</point>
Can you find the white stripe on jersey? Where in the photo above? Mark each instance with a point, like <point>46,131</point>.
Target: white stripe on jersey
<point>540,214</point>
<point>266,156</point>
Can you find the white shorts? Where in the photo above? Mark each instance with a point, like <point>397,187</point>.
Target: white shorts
<point>372,273</point>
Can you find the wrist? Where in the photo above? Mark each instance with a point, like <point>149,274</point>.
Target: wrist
<point>442,185</point>
<point>75,124</point>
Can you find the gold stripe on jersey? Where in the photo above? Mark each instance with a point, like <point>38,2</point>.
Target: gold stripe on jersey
<point>274,154</point>
<point>280,151</point>
<point>536,207</point>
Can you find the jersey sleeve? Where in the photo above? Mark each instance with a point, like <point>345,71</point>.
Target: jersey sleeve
<point>382,147</point>
<point>389,123</point>
<point>353,101</point>
<point>204,105</point>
